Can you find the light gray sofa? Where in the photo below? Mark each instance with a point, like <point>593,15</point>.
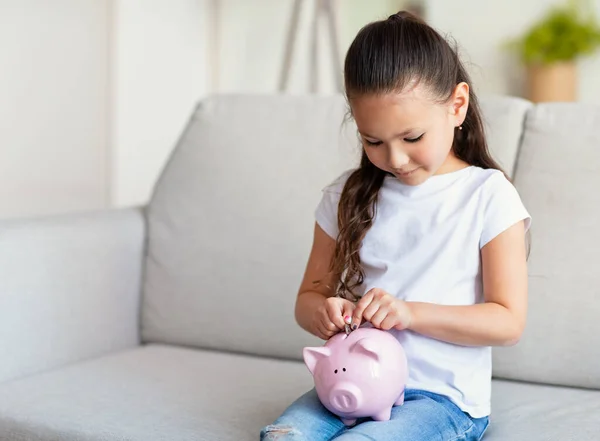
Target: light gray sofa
<point>175,321</point>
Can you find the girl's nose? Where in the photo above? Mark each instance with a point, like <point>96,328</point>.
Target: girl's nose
<point>398,159</point>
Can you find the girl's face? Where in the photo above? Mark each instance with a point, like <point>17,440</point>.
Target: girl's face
<point>409,134</point>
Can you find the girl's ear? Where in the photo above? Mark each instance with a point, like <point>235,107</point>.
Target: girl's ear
<point>459,103</point>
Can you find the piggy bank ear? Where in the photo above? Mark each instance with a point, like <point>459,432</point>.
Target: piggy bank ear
<point>368,347</point>
<point>313,355</point>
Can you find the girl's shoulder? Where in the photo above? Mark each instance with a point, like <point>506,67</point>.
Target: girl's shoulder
<point>337,185</point>
<point>490,179</point>
<point>487,174</point>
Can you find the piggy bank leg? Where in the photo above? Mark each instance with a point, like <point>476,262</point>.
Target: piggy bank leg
<point>400,400</point>
<point>349,422</point>
<point>384,415</point>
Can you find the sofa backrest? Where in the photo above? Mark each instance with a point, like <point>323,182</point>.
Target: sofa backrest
<point>503,118</point>
<point>558,178</point>
<point>231,219</point>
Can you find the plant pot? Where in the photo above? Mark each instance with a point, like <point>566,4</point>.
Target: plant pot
<point>552,82</point>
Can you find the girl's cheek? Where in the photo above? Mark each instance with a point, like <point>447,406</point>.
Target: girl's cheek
<point>431,154</point>
<point>425,156</point>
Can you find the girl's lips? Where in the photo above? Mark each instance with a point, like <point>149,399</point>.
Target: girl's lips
<point>407,173</point>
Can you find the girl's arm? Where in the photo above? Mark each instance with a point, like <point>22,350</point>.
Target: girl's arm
<point>317,310</point>
<point>499,321</point>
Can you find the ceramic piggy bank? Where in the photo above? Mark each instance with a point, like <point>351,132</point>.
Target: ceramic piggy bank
<point>359,375</point>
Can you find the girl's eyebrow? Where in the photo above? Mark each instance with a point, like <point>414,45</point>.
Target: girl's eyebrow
<point>406,132</point>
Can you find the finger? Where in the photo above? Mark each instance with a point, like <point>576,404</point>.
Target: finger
<point>347,313</point>
<point>329,326</point>
<point>361,305</point>
<point>388,322</point>
<point>371,310</point>
<point>319,331</point>
<point>325,334</point>
<point>379,316</point>
<point>322,334</point>
<point>334,315</point>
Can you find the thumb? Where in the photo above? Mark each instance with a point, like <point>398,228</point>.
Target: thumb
<point>347,312</point>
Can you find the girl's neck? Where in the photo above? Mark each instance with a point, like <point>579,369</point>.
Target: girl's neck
<point>451,164</point>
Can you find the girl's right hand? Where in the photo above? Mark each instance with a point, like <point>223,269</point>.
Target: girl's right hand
<point>329,316</point>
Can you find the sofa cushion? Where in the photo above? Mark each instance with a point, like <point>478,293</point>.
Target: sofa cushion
<point>231,219</point>
<point>532,412</point>
<point>558,177</point>
<point>152,393</point>
<point>167,393</point>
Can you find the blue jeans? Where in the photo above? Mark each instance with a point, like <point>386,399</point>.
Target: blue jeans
<point>423,416</point>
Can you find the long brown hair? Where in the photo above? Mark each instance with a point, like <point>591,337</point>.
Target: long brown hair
<point>385,57</point>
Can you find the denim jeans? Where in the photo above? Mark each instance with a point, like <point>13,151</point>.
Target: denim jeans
<point>424,416</point>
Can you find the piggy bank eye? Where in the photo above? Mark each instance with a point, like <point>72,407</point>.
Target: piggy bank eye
<point>344,369</point>
<point>335,372</point>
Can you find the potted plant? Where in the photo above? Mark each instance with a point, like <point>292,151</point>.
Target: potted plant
<point>551,47</point>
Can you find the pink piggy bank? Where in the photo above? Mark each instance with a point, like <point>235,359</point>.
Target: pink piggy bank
<point>359,375</point>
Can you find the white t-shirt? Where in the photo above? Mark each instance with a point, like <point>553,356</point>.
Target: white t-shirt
<point>424,245</point>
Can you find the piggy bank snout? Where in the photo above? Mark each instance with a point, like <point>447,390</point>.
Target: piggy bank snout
<point>345,397</point>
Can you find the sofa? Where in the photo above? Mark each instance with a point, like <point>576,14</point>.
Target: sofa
<point>174,320</point>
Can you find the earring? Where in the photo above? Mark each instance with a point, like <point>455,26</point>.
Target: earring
<point>459,127</point>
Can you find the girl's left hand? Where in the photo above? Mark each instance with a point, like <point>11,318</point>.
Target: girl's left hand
<point>383,310</point>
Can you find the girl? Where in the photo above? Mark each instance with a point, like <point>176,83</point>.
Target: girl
<point>425,239</point>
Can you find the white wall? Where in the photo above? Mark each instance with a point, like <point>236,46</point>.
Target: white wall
<point>53,106</point>
<point>481,27</point>
<point>162,66</point>
<point>159,72</point>
<point>96,93</point>
<point>253,38</point>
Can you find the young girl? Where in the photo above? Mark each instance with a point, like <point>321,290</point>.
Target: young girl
<point>425,239</point>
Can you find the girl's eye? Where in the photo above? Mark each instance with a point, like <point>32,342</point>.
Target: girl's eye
<point>417,139</point>
<point>409,140</point>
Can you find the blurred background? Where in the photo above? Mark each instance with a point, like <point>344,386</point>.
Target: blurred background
<point>95,93</point>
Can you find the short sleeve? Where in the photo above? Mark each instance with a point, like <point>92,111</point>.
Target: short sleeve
<point>503,208</point>
<point>326,212</point>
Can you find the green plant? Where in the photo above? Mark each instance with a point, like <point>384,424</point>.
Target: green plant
<point>563,34</point>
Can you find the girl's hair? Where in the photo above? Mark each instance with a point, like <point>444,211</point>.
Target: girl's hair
<point>387,56</point>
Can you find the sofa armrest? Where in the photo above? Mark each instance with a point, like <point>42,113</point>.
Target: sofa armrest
<point>69,288</point>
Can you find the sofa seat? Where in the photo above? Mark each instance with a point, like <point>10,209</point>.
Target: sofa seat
<point>159,392</point>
